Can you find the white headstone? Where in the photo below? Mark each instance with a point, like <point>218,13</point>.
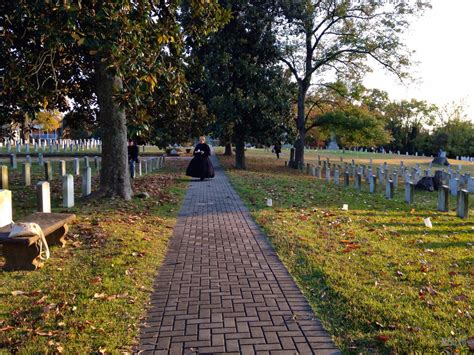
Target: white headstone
<point>43,196</point>
<point>68,191</point>
<point>86,181</point>
<point>6,214</point>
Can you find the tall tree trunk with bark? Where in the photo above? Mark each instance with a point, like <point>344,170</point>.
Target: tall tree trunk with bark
<point>114,173</point>
<point>228,149</point>
<point>240,154</point>
<point>300,125</point>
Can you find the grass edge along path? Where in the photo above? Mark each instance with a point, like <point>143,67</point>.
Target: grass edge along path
<point>379,280</point>
<point>91,295</point>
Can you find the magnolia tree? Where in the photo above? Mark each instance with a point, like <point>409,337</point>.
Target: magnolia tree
<point>106,53</point>
<point>321,39</point>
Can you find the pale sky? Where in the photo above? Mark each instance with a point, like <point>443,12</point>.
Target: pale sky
<point>444,45</point>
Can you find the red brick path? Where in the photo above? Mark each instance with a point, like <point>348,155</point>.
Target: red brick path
<point>222,288</point>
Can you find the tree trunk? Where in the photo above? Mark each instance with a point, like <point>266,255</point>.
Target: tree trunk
<point>228,149</point>
<point>240,155</point>
<point>300,126</point>
<point>114,173</point>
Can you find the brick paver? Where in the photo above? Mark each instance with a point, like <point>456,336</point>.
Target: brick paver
<point>222,288</point>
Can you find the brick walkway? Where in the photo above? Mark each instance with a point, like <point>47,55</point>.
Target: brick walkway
<point>222,288</point>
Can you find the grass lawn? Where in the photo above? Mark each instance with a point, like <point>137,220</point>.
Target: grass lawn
<point>376,276</point>
<point>89,297</point>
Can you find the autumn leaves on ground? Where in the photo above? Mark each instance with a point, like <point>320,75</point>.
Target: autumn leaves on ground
<point>375,275</point>
<point>90,295</point>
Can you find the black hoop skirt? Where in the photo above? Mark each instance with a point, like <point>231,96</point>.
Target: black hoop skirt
<point>201,166</point>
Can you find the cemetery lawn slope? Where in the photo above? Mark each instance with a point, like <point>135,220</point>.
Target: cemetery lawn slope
<point>376,276</point>
<point>90,296</point>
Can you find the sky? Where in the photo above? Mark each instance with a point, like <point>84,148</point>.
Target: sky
<point>444,49</point>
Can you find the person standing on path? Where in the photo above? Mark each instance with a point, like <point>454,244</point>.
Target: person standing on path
<point>132,156</point>
<point>201,166</point>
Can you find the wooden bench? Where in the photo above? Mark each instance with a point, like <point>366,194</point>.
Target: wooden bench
<point>22,253</point>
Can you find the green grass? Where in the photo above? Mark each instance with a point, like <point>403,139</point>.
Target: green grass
<point>376,276</point>
<point>89,297</point>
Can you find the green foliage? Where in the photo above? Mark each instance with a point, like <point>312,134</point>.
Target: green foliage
<point>241,83</point>
<point>355,126</point>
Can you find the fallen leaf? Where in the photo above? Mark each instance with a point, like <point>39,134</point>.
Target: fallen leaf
<point>18,293</point>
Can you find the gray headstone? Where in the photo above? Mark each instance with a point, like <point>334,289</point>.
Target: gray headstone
<point>318,172</point>
<point>462,209</point>
<point>86,181</point>
<point>62,167</point>
<point>4,177</point>
<point>43,197</point>
<point>346,178</point>
<point>313,171</point>
<point>97,163</point>
<point>409,192</point>
<point>372,183</point>
<point>389,189</point>
<point>358,181</point>
<point>13,163</point>
<point>40,159</point>
<point>48,171</point>
<point>6,210</point>
<point>328,174</point>
<point>454,186</point>
<point>27,174</point>
<point>77,167</point>
<point>443,198</point>
<point>336,176</point>
<point>470,185</point>
<point>68,191</point>
<point>138,168</point>
<point>86,161</point>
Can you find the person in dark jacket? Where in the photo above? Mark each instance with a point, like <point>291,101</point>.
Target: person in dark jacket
<point>277,149</point>
<point>201,166</point>
<point>132,156</point>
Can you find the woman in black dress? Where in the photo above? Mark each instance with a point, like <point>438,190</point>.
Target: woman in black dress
<point>201,166</point>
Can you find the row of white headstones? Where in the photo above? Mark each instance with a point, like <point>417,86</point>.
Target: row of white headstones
<point>43,194</point>
<point>51,145</point>
<point>459,185</point>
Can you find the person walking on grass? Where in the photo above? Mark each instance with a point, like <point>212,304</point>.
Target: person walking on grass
<point>132,156</point>
<point>201,166</point>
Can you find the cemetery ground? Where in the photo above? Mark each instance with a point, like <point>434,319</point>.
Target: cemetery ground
<point>90,295</point>
<point>378,279</point>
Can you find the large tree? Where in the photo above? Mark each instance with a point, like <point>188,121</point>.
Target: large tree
<point>110,52</point>
<point>323,38</point>
<point>242,83</point>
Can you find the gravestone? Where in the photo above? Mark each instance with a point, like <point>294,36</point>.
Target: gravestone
<point>28,159</point>
<point>48,171</point>
<point>470,185</point>
<point>40,159</point>
<point>6,209</point>
<point>318,172</point>
<point>97,163</point>
<point>336,176</point>
<point>372,183</point>
<point>358,181</point>
<point>454,186</point>
<point>62,167</point>
<point>443,198</point>
<point>43,197</point>
<point>13,163</point>
<point>409,192</point>
<point>86,162</point>
<point>27,174</point>
<point>77,167</point>
<point>138,168</point>
<point>4,177</point>
<point>389,189</point>
<point>86,181</point>
<point>346,178</point>
<point>313,171</point>
<point>462,209</point>
<point>328,174</point>
<point>68,191</point>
